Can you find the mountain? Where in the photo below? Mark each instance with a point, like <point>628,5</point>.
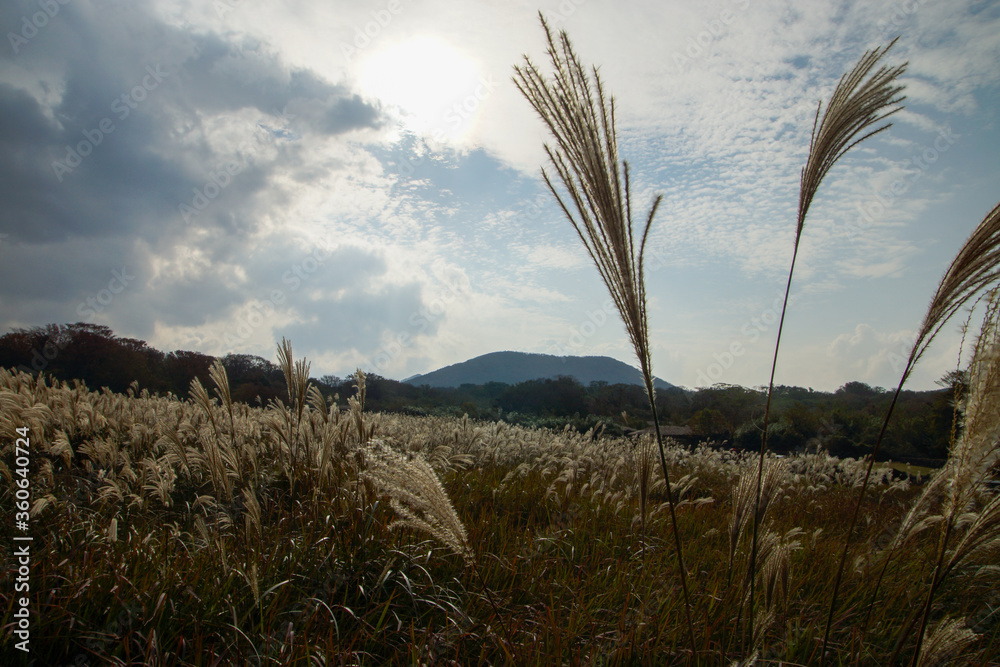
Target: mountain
<point>514,367</point>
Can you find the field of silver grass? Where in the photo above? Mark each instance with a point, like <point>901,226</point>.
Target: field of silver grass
<point>169,530</point>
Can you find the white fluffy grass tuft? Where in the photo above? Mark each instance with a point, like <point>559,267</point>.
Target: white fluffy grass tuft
<point>417,496</point>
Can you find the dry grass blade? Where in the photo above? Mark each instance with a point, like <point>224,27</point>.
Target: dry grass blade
<point>975,268</point>
<point>213,446</point>
<point>359,384</point>
<point>946,643</point>
<point>743,503</point>
<point>217,373</point>
<point>644,457</point>
<point>967,504</point>
<point>976,452</point>
<point>297,382</point>
<point>861,100</point>
<point>982,535</point>
<point>917,520</point>
<point>582,119</point>
<point>417,496</point>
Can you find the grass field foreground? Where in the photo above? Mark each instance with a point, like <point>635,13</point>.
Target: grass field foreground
<point>191,532</point>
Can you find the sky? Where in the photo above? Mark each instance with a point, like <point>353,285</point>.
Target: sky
<point>364,179</point>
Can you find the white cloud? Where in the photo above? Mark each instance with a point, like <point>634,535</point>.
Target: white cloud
<point>871,354</point>
<point>555,257</point>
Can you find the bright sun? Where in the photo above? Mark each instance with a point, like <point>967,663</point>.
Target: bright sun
<point>435,87</point>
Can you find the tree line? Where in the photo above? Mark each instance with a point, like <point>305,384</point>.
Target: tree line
<point>844,422</point>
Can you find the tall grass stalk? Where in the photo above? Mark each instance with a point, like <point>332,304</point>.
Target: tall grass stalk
<point>581,118</point>
<point>297,383</point>
<point>919,518</point>
<point>974,269</point>
<point>861,100</point>
<point>644,459</point>
<point>219,459</point>
<point>218,375</point>
<point>422,504</point>
<point>970,462</point>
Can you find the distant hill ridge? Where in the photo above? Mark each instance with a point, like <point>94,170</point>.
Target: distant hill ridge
<point>514,367</point>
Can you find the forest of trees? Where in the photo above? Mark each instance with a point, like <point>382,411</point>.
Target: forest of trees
<point>844,422</point>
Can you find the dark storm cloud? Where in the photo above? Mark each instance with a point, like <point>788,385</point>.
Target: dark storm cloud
<point>52,282</point>
<point>358,320</point>
<point>223,75</point>
<point>293,267</point>
<point>108,122</point>
<point>329,294</point>
<point>347,113</point>
<point>122,143</point>
<point>24,125</point>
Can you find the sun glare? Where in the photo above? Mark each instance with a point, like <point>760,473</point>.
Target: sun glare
<point>435,88</point>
